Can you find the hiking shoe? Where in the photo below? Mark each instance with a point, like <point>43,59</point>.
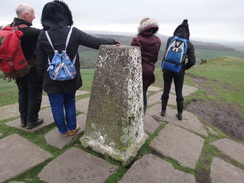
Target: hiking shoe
<point>23,123</point>
<point>163,113</point>
<point>179,116</point>
<point>38,122</point>
<point>65,134</point>
<point>73,132</point>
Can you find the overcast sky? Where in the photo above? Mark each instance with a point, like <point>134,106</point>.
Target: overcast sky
<point>209,20</point>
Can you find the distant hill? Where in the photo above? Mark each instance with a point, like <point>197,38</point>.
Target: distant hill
<point>203,50</point>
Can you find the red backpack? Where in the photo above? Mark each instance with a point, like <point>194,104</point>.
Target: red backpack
<point>12,60</point>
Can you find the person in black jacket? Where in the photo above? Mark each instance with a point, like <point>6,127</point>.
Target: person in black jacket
<point>181,31</point>
<point>57,20</point>
<point>29,86</point>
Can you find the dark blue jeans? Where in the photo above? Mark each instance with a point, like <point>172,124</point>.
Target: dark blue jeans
<point>30,96</point>
<point>63,110</point>
<point>178,81</point>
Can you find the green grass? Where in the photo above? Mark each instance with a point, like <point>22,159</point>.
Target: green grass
<point>87,78</point>
<point>89,56</point>
<point>8,92</point>
<point>228,70</point>
<point>210,54</point>
<point>225,79</point>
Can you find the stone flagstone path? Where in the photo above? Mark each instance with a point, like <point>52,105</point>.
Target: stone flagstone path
<point>19,155</point>
<point>181,141</point>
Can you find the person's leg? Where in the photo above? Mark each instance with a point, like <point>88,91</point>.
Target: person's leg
<point>145,98</point>
<point>167,85</point>
<point>23,100</point>
<point>179,80</point>
<point>70,110</point>
<point>57,106</point>
<point>34,95</point>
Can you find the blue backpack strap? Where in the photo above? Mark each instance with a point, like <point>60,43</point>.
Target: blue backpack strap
<point>67,42</point>
<point>185,43</point>
<point>68,38</point>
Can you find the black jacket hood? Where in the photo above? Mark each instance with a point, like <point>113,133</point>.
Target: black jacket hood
<point>183,30</point>
<point>55,14</point>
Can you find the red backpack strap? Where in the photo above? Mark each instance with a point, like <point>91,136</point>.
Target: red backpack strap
<point>21,26</point>
<point>18,26</point>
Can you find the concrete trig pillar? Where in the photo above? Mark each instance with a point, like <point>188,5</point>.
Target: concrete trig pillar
<point>114,124</point>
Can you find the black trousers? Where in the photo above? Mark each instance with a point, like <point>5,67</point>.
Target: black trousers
<point>30,96</point>
<point>178,81</point>
<point>145,96</point>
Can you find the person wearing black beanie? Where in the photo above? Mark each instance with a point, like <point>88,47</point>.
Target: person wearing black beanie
<point>181,31</point>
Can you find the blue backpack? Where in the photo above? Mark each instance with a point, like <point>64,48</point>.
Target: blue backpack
<point>61,68</point>
<point>175,54</point>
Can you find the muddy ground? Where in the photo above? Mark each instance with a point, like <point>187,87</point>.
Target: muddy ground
<point>226,117</point>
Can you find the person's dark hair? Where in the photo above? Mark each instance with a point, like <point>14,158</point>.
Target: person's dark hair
<point>56,13</point>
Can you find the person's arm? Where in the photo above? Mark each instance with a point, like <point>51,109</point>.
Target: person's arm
<point>134,42</point>
<point>93,42</point>
<point>190,56</point>
<point>40,60</point>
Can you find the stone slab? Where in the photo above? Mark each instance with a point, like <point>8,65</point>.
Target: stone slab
<point>46,114</point>
<point>187,90</point>
<point>150,124</point>
<point>156,98</point>
<point>224,172</point>
<point>178,144</point>
<point>189,121</point>
<point>76,165</point>
<point>82,105</point>
<point>18,155</point>
<point>154,89</point>
<point>231,148</point>
<point>54,138</point>
<point>9,111</point>
<point>80,92</point>
<point>151,169</point>
<point>172,100</point>
<point>45,101</point>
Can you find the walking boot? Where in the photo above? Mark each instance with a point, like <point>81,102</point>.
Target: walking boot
<point>73,132</point>
<point>164,104</point>
<point>23,123</point>
<point>145,109</point>
<point>34,124</point>
<point>180,105</point>
<point>23,120</point>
